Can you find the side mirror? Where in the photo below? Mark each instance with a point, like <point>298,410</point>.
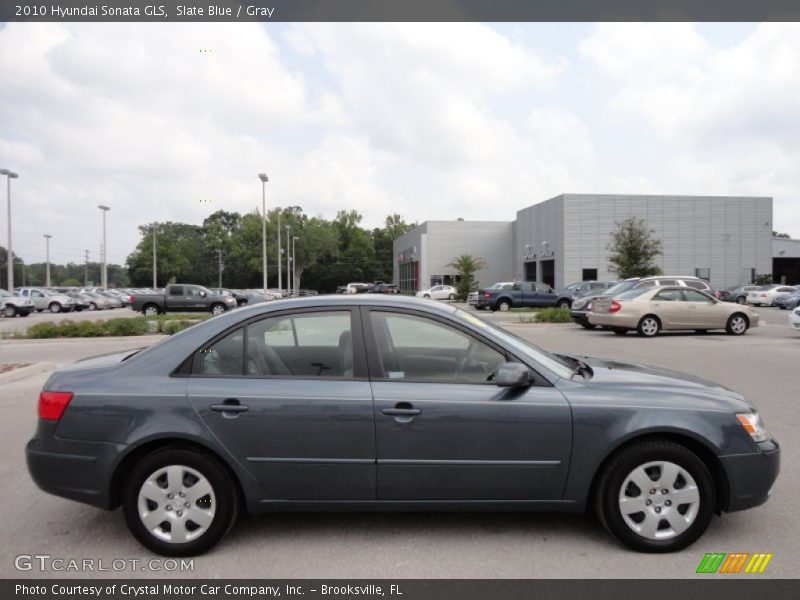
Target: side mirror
<point>513,375</point>
<point>203,294</point>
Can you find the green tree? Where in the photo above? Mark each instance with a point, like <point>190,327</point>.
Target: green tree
<point>70,282</point>
<point>763,279</point>
<point>633,249</point>
<point>466,265</point>
<point>777,234</point>
<point>383,241</point>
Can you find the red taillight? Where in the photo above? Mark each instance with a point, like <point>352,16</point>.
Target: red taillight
<point>615,306</point>
<point>131,299</point>
<point>486,295</point>
<point>53,404</point>
<point>718,295</point>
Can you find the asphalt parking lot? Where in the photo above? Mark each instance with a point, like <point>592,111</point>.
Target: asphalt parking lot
<point>761,364</point>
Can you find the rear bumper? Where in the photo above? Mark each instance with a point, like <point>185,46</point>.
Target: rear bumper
<point>751,476</point>
<point>579,316</point>
<point>616,320</point>
<point>80,471</point>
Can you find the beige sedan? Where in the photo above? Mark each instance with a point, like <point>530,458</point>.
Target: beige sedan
<point>649,310</point>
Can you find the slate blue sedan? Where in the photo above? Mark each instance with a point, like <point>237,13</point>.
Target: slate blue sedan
<point>367,401</point>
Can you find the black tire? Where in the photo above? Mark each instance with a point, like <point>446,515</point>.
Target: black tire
<point>225,494</point>
<point>451,297</point>
<point>54,307</point>
<point>740,299</point>
<point>649,326</point>
<point>92,306</point>
<point>587,325</point>
<point>619,330</point>
<point>503,305</point>
<point>607,493</point>
<point>428,296</point>
<point>737,324</point>
<point>10,311</point>
<point>563,303</point>
<point>150,310</point>
<point>217,308</point>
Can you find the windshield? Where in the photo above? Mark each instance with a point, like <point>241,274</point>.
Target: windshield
<point>622,286</point>
<point>550,361</point>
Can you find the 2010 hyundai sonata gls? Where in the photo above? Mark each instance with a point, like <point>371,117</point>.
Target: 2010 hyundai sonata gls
<point>363,402</point>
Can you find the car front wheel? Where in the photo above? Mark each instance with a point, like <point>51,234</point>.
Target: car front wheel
<point>54,307</point>
<point>151,310</point>
<point>741,300</point>
<point>10,311</point>
<point>656,496</point>
<point>179,502</point>
<point>217,309</point>
<point>503,306</point>
<point>563,304</point>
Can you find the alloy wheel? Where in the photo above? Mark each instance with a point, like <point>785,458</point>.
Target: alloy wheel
<point>738,324</point>
<point>649,326</point>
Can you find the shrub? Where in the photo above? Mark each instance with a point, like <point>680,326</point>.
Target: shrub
<point>171,327</point>
<point>547,315</point>
<point>43,330</point>
<point>124,327</point>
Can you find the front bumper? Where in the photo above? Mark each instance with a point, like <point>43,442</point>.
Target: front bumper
<point>751,476</point>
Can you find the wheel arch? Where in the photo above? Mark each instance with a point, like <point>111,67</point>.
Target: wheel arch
<point>126,463</point>
<point>702,448</point>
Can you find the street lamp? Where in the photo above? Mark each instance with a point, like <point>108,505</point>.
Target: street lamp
<point>9,254</point>
<point>294,264</point>
<point>288,237</point>
<point>47,269</point>
<point>104,272</point>
<point>155,263</point>
<point>280,278</point>
<point>264,181</point>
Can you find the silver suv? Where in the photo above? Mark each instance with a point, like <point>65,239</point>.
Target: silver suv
<point>44,299</point>
<point>680,280</point>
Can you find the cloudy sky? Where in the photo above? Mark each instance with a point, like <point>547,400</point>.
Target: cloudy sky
<point>434,121</point>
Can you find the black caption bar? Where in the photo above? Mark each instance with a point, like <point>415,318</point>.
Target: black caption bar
<point>400,10</point>
<point>400,589</point>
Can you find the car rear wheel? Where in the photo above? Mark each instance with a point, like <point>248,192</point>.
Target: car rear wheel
<point>656,496</point>
<point>428,296</point>
<point>179,502</point>
<point>54,307</point>
<point>737,324</point>
<point>649,326</point>
<point>92,306</point>
<point>150,310</point>
<point>503,305</point>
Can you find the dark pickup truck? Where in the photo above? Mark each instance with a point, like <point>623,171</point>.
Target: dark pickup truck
<point>183,298</point>
<point>523,294</point>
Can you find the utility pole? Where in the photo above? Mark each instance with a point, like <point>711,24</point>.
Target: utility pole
<point>219,256</point>
<point>288,238</point>
<point>155,284</point>
<point>9,252</point>
<point>86,270</point>
<point>264,179</point>
<point>294,266</point>
<point>280,253</point>
<point>47,237</point>
<point>104,271</point>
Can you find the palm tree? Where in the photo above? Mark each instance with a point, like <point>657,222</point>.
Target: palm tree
<point>466,265</point>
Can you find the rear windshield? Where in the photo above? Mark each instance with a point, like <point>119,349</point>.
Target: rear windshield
<point>630,294</point>
<point>622,286</point>
<point>764,288</point>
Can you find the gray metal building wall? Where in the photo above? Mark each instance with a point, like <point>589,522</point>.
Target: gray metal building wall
<point>728,235</point>
<point>439,242</point>
<point>535,225</point>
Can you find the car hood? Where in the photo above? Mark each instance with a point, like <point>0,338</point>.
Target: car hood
<point>669,386</point>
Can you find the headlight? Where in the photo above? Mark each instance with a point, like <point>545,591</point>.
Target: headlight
<point>579,303</point>
<point>752,424</point>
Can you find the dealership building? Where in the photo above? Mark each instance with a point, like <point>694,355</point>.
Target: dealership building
<point>724,239</point>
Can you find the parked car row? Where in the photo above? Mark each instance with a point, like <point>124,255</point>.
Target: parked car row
<point>377,287</point>
<point>25,300</point>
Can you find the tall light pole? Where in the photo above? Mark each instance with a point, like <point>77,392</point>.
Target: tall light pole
<point>288,237</point>
<point>86,270</point>
<point>9,253</point>
<point>219,256</point>
<point>294,265</point>
<point>155,268</point>
<point>47,237</point>
<point>264,181</point>
<point>103,272</point>
<point>280,278</point>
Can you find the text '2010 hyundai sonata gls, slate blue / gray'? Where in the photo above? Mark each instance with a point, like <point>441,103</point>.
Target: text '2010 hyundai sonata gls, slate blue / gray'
<point>393,403</point>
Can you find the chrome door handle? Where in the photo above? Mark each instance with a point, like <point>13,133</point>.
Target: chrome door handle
<point>230,406</point>
<point>402,412</point>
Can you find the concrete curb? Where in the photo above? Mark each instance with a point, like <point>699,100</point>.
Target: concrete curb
<point>24,372</point>
<point>144,338</point>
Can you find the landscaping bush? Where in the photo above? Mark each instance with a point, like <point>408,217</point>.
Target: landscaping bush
<point>124,327</point>
<point>43,330</point>
<point>547,315</point>
<point>171,327</point>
